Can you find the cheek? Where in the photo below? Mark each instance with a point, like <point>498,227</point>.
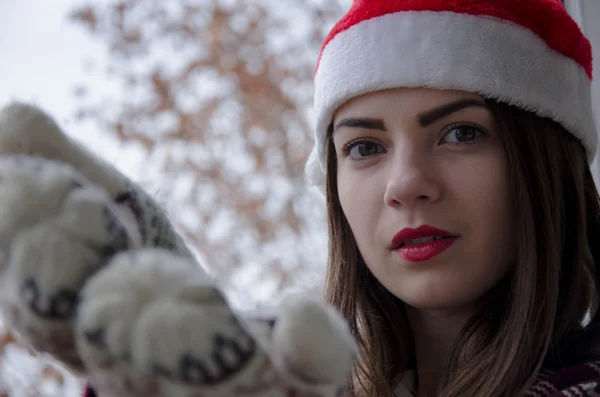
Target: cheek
<point>484,196</point>
<point>485,189</point>
<point>361,199</point>
<point>351,198</point>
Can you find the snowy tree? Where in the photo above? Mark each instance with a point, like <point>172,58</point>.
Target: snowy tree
<point>218,93</point>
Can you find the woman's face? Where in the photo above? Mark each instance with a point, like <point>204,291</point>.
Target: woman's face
<point>423,182</point>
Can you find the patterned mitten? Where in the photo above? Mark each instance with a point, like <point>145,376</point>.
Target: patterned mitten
<point>152,324</point>
<point>93,273</point>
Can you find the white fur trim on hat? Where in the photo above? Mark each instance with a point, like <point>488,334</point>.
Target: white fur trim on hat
<point>314,171</point>
<point>448,50</point>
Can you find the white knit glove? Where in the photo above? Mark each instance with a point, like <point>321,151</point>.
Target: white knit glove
<point>93,273</point>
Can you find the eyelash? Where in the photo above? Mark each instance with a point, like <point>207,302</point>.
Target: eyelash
<point>350,145</point>
<point>453,127</point>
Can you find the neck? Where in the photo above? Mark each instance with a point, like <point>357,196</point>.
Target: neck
<point>434,333</point>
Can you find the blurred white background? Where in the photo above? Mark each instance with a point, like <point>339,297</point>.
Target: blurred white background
<point>44,57</point>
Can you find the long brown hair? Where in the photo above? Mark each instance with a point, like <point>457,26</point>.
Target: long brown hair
<point>536,320</point>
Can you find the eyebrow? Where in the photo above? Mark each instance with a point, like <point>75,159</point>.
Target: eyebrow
<point>369,124</point>
<point>431,116</point>
<point>424,119</point>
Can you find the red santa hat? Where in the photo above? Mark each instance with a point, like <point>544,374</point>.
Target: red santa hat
<point>527,53</point>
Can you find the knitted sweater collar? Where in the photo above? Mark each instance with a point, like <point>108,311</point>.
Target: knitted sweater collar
<point>582,380</point>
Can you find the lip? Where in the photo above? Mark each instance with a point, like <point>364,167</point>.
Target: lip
<point>407,234</point>
<point>424,251</point>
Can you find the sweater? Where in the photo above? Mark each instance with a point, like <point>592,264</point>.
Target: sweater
<point>581,380</point>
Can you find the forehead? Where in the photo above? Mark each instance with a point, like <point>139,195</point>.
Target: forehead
<point>410,101</point>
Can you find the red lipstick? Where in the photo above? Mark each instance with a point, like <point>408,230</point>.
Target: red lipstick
<point>422,243</point>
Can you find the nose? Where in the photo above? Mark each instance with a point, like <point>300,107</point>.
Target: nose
<point>411,179</point>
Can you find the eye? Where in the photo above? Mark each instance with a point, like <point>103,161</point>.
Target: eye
<point>361,149</point>
<point>462,134</point>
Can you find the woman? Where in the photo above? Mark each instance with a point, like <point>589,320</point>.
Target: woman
<point>453,141</point>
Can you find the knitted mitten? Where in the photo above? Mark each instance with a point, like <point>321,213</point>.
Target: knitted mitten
<point>94,274</point>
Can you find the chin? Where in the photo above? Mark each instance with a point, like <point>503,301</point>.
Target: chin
<point>437,295</point>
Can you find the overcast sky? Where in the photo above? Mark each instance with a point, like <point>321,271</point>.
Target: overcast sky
<point>43,56</point>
